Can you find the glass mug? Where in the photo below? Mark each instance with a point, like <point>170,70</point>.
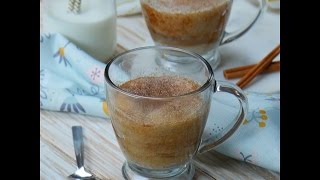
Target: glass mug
<point>159,136</point>
<point>194,25</point>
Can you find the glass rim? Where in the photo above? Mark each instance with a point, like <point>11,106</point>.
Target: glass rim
<point>206,85</point>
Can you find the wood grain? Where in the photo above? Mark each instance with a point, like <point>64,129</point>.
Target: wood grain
<point>102,154</point>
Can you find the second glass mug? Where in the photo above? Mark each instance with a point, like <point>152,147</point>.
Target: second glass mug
<point>197,26</point>
<point>159,136</point>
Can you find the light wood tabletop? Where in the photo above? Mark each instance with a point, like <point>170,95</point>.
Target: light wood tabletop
<point>102,153</point>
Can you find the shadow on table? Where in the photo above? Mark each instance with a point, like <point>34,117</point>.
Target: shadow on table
<point>213,165</point>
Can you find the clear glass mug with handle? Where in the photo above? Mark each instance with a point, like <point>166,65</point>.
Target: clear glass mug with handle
<point>159,135</point>
<point>195,25</point>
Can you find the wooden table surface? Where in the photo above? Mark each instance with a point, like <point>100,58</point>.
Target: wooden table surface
<point>102,154</point>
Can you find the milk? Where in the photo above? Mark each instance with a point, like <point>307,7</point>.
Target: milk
<point>93,29</point>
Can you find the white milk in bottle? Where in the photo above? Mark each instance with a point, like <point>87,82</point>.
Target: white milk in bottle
<point>93,29</point>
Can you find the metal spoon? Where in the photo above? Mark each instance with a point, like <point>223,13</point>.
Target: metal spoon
<point>80,173</point>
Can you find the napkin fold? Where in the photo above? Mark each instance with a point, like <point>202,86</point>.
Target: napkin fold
<point>128,7</point>
<point>72,81</point>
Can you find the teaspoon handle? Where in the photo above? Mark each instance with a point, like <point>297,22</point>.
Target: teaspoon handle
<point>78,145</point>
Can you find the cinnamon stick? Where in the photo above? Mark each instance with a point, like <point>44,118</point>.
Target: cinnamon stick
<point>242,70</point>
<point>261,66</point>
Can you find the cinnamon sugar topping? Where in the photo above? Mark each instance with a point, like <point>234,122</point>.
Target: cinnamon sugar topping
<point>164,86</point>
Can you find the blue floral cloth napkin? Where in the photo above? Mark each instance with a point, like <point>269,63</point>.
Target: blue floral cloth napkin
<point>72,81</point>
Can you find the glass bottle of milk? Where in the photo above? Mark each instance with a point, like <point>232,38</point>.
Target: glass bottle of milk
<point>90,24</point>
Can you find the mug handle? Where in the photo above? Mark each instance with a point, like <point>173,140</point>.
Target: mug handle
<point>231,36</point>
<point>223,86</point>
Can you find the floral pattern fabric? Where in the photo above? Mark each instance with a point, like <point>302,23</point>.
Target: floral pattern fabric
<point>72,81</point>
